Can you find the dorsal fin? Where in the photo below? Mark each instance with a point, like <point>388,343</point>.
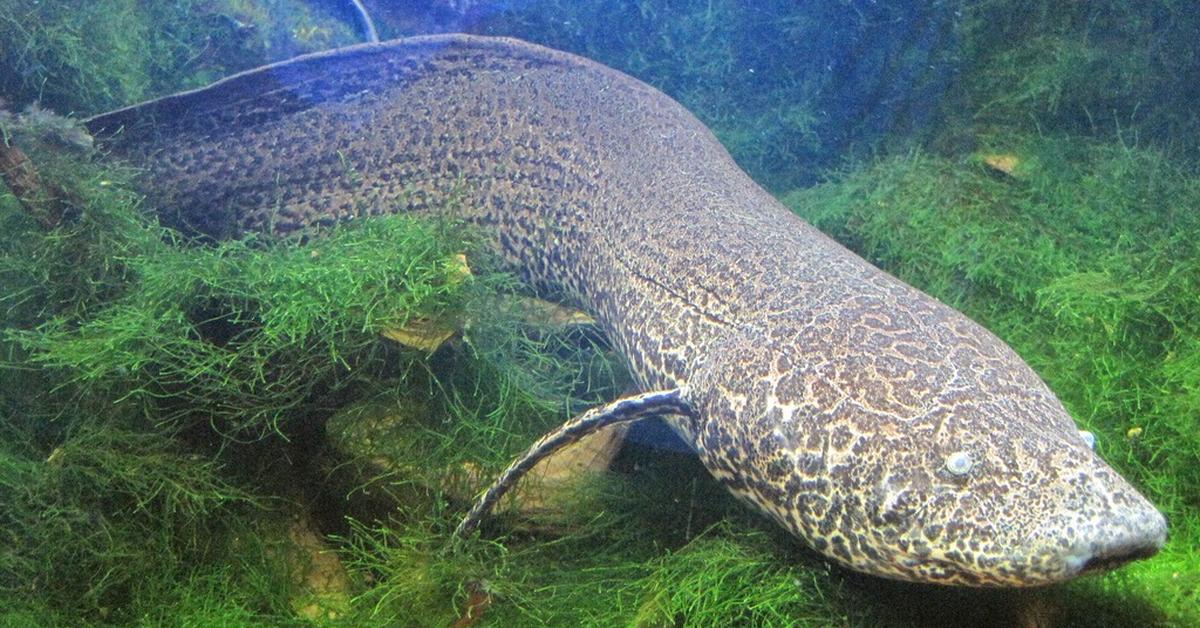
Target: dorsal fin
<point>265,93</point>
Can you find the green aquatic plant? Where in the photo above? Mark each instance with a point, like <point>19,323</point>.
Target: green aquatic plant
<point>613,566</point>
<point>1106,69</point>
<point>82,263</point>
<point>781,84</point>
<point>92,56</point>
<point>89,57</point>
<point>110,513</point>
<point>240,335</point>
<point>286,28</point>
<point>752,586</point>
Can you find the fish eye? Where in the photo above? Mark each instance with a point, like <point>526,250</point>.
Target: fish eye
<point>1088,438</point>
<point>959,463</point>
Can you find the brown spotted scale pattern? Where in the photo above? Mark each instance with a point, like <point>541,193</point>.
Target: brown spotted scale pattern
<point>829,395</point>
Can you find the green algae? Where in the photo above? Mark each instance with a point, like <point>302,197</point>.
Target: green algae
<point>89,57</point>
<point>274,327</point>
<point>634,557</point>
<point>775,82</point>
<point>1101,69</point>
<point>109,518</point>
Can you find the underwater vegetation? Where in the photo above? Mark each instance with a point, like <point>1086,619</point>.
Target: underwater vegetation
<point>169,412</point>
<point>90,57</point>
<point>792,89</point>
<point>788,91</point>
<point>1106,69</point>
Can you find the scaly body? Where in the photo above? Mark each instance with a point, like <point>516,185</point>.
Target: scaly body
<point>890,432</point>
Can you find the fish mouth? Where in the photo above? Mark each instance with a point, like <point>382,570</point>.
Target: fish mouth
<point>1119,551</point>
<point>1130,539</point>
<point>1102,563</point>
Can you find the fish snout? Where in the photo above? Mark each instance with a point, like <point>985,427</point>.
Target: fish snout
<point>1128,534</point>
<point>1109,525</point>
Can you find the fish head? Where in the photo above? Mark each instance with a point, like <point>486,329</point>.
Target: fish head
<point>911,443</point>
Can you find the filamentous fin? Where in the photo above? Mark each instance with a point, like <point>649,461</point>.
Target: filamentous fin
<point>625,409</point>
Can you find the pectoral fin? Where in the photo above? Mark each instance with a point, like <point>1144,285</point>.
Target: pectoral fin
<point>423,334</point>
<point>428,334</point>
<point>625,409</point>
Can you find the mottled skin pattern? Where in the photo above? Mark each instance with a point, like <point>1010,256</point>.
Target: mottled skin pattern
<point>888,431</point>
